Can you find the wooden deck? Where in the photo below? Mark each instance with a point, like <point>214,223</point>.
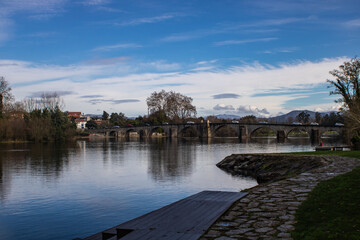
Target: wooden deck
<point>186,219</point>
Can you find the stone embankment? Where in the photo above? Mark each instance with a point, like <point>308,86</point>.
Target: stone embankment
<point>268,211</point>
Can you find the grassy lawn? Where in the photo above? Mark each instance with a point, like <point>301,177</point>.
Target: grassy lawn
<point>332,210</point>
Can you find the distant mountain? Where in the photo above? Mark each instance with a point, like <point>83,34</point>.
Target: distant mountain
<point>93,115</point>
<point>226,116</point>
<point>293,115</point>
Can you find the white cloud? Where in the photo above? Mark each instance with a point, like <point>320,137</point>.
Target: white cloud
<point>5,29</point>
<point>33,6</point>
<point>236,42</point>
<point>252,110</point>
<point>223,107</point>
<point>154,19</point>
<point>95,2</point>
<point>117,46</point>
<point>34,9</point>
<point>137,80</point>
<point>353,23</point>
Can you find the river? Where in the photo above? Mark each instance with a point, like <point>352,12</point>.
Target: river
<point>64,191</point>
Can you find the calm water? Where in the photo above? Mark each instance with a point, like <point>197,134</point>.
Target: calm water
<point>52,191</point>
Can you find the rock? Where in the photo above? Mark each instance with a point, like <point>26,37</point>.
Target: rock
<point>269,167</point>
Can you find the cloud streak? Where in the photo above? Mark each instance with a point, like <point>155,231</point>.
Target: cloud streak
<point>245,41</point>
<point>117,46</point>
<point>226,95</point>
<point>111,101</point>
<point>155,19</point>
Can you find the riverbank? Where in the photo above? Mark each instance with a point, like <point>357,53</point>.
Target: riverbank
<point>268,211</point>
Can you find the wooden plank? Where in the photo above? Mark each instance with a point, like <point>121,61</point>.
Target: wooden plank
<point>186,219</point>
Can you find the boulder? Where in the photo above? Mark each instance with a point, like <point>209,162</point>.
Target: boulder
<point>270,167</point>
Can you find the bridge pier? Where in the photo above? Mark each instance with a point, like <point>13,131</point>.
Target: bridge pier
<point>173,133</point>
<point>209,135</point>
<point>315,134</point>
<point>243,133</point>
<point>280,134</point>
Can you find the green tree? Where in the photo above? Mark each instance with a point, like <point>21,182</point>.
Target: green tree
<point>91,124</point>
<point>248,119</point>
<point>157,118</point>
<point>303,117</point>
<point>118,119</point>
<point>318,117</point>
<point>105,116</point>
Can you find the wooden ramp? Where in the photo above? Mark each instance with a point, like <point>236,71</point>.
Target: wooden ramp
<point>186,219</point>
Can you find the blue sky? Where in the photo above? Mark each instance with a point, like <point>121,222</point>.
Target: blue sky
<point>236,57</point>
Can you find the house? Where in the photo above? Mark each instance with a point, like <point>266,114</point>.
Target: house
<point>80,123</point>
<point>75,115</point>
<point>78,118</point>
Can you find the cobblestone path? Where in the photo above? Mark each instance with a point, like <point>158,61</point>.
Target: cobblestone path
<point>267,212</point>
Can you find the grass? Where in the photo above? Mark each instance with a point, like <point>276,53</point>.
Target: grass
<point>352,154</point>
<point>332,209</point>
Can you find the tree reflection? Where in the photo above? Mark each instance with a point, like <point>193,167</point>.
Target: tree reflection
<point>168,161</point>
<point>21,160</point>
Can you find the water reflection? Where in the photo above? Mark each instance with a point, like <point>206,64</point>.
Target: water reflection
<point>91,185</point>
<point>169,161</point>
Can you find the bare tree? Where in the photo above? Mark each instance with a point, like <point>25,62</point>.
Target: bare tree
<point>175,105</point>
<point>157,101</point>
<point>51,101</point>
<point>5,95</point>
<point>30,104</point>
<point>347,83</point>
<point>48,100</point>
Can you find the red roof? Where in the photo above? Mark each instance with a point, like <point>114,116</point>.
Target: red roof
<point>74,114</point>
<point>80,120</point>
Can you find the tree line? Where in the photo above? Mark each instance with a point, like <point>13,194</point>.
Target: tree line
<point>34,119</point>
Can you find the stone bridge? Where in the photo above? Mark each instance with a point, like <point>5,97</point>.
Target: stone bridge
<point>209,130</point>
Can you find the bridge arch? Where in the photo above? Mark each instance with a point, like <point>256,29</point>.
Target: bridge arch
<point>142,133</point>
<point>330,133</point>
<point>113,133</point>
<point>157,132</point>
<point>131,133</point>
<point>225,131</point>
<point>263,131</point>
<point>299,132</point>
<point>189,131</point>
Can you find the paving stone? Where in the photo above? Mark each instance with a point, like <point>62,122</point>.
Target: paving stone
<point>213,234</point>
<point>263,229</point>
<point>254,210</point>
<point>224,238</point>
<point>268,211</point>
<point>269,223</point>
<point>285,228</point>
<point>239,231</point>
<point>287,217</point>
<point>284,235</point>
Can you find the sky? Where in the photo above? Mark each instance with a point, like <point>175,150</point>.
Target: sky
<point>249,57</point>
